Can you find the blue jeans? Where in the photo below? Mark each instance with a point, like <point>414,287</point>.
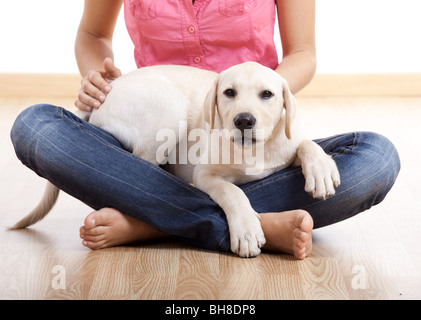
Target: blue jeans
<point>92,166</point>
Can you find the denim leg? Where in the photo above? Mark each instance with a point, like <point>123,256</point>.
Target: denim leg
<point>91,165</point>
<point>368,164</point>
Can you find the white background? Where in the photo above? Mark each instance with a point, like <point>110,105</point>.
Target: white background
<point>353,36</point>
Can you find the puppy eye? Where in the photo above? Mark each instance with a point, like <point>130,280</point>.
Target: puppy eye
<point>230,93</point>
<point>266,94</point>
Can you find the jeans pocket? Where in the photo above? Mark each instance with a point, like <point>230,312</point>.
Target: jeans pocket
<point>235,7</point>
<point>143,9</point>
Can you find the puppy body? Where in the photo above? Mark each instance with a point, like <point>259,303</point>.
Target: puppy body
<point>151,99</point>
<point>145,101</point>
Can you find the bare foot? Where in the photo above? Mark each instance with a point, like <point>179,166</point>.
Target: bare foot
<point>288,232</point>
<point>109,227</point>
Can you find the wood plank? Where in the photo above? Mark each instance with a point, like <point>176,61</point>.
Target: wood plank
<point>364,85</point>
<point>41,86</point>
<point>323,85</point>
<point>198,275</point>
<point>157,267</point>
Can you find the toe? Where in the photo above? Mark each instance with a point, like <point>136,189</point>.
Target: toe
<point>82,231</point>
<point>300,253</point>
<point>305,222</point>
<point>103,217</point>
<point>298,235</point>
<point>92,238</point>
<point>100,230</point>
<point>90,221</point>
<point>298,242</point>
<point>94,245</point>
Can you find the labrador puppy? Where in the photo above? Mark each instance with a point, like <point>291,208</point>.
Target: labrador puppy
<point>251,108</point>
<point>246,122</point>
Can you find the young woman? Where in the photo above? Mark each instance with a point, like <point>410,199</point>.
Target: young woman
<point>135,201</point>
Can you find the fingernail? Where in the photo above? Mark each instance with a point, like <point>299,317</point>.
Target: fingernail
<point>97,104</point>
<point>108,88</point>
<point>102,98</point>
<point>93,223</point>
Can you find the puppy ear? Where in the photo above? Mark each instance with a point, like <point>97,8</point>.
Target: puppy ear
<point>210,105</point>
<point>290,106</point>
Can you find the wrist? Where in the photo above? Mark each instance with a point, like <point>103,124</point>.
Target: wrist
<point>298,69</point>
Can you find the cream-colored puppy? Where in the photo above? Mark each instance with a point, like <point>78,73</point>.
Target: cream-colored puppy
<point>253,99</point>
<point>248,113</point>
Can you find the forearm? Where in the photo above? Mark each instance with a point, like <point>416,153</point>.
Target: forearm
<point>90,51</point>
<point>298,69</point>
<point>296,20</point>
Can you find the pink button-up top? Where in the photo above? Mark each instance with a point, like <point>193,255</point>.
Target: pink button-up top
<point>209,34</point>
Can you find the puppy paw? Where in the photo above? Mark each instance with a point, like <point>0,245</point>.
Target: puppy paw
<point>247,236</point>
<point>322,177</point>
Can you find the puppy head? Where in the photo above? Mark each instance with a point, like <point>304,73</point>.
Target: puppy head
<point>250,98</point>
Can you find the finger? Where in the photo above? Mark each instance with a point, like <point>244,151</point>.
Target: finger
<point>93,91</point>
<point>112,72</point>
<point>87,100</point>
<point>98,81</point>
<point>83,107</point>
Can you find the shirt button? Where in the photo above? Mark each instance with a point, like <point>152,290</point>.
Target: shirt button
<point>197,59</point>
<point>192,29</point>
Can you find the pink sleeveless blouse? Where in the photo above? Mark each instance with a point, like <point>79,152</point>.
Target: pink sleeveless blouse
<point>209,34</point>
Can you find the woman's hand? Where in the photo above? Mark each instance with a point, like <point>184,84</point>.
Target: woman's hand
<point>96,86</point>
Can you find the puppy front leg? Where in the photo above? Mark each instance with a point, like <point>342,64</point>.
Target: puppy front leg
<point>319,169</point>
<point>246,234</point>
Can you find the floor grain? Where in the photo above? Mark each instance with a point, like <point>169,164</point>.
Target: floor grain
<point>374,255</point>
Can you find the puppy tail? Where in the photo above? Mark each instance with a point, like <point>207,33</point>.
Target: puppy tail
<point>45,205</point>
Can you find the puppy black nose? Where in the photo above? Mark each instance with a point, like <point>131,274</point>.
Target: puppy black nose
<point>244,121</point>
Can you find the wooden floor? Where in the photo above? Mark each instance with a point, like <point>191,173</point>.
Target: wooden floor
<point>375,255</point>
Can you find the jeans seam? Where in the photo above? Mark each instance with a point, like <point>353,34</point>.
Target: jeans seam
<point>126,153</point>
<point>355,143</point>
<point>223,239</point>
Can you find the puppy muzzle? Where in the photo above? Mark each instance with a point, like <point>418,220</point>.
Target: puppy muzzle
<point>244,121</point>
<point>244,133</point>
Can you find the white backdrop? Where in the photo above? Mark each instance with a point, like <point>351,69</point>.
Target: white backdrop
<point>353,36</point>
